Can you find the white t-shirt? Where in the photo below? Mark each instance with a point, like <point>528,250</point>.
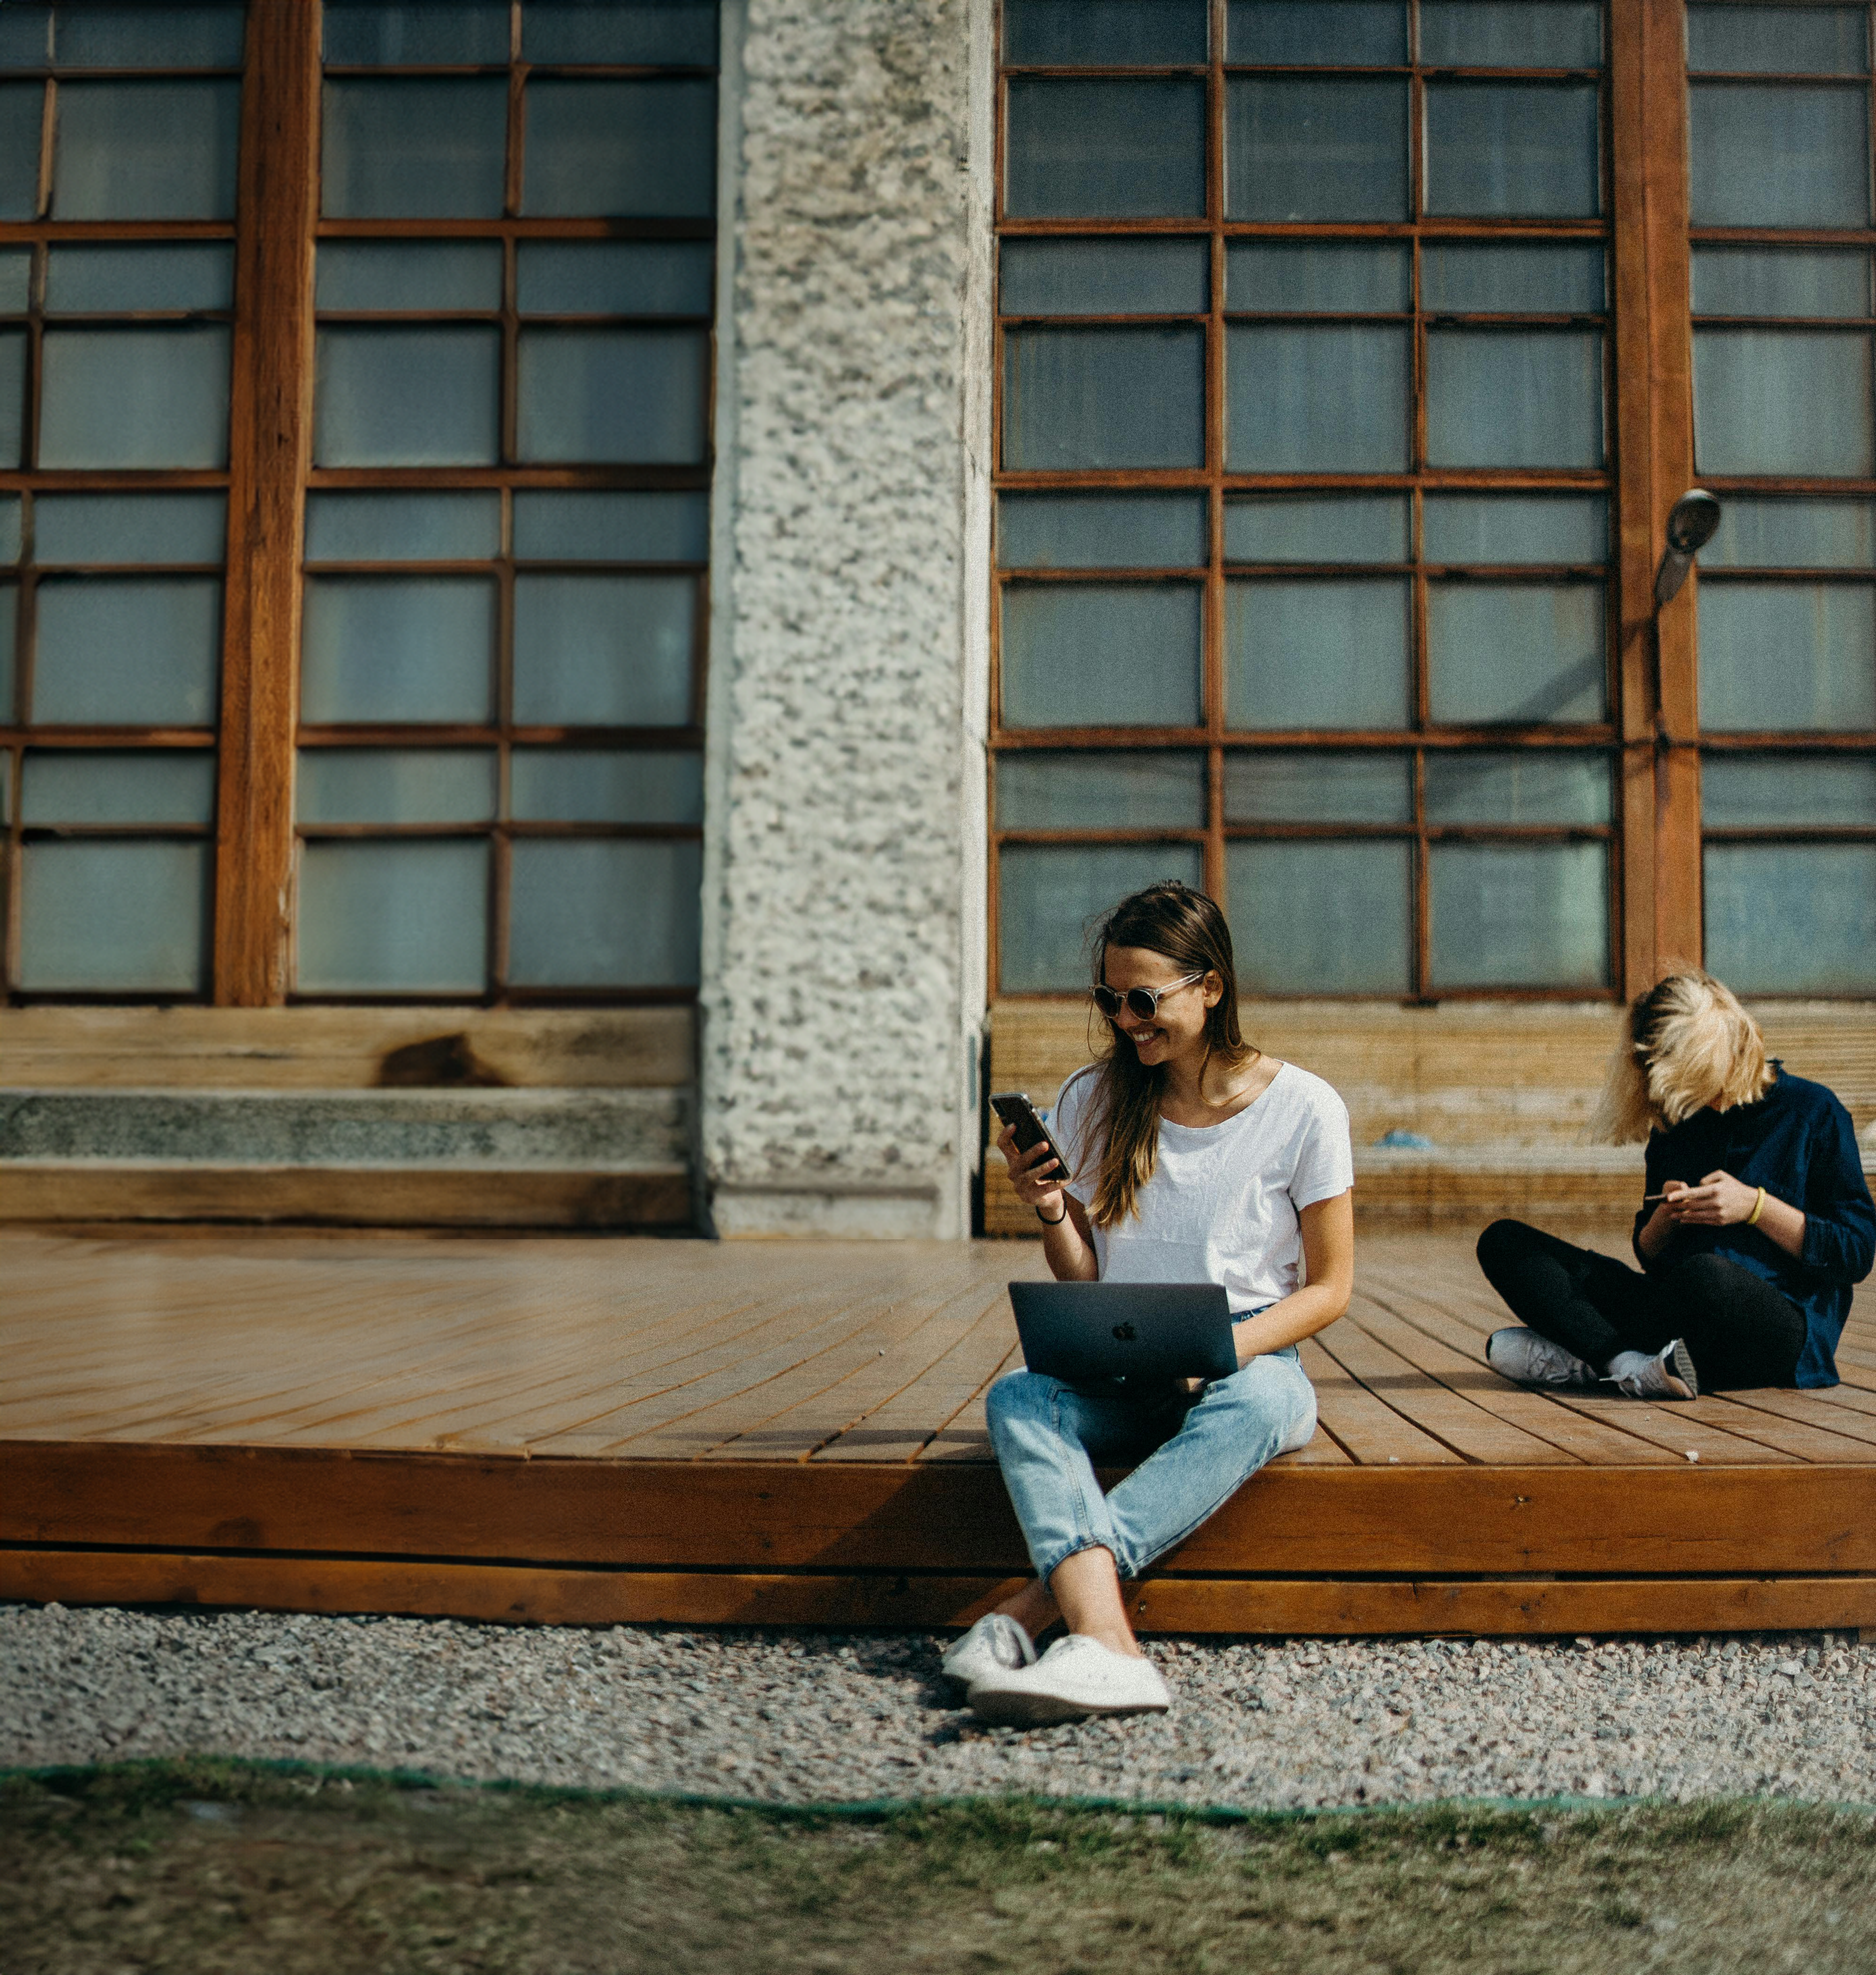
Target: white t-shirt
<point>1222,1204</point>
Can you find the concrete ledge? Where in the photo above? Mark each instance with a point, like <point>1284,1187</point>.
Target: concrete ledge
<point>913,1214</point>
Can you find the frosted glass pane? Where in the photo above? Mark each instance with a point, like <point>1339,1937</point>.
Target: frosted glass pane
<point>1512,280</point>
<point>1320,400</point>
<point>1489,528</point>
<point>1533,786</point>
<point>1104,34</point>
<point>1103,397</point>
<point>612,527</point>
<point>604,651</point>
<point>403,527</point>
<point>1318,280</point>
<point>604,914</point>
<point>1101,655</point>
<point>1105,277</point>
<point>1770,533</point>
<point>9,681</point>
<point>1523,33</point>
<point>426,150</point>
<point>392,918</point>
<point>1519,915</point>
<point>1790,656</point>
<point>610,395</point>
<point>134,397</point>
<point>372,34</point>
<point>16,281</point>
<point>1781,401</point>
<point>128,651</point>
<point>1355,34</point>
<point>1778,41</point>
<point>145,150</point>
<point>75,529</point>
<point>1792,918</point>
<point>1318,787</point>
<point>1284,528</point>
<point>611,785</point>
<point>21,105</point>
<point>1781,281</point>
<point>407,397</point>
<point>638,147</point>
<point>393,276</point>
<point>1520,397</point>
<point>1522,651</point>
<point>1515,149</point>
<point>1049,896</point>
<point>1761,791</point>
<point>395,785</point>
<point>1142,791</point>
<point>620,31</point>
<point>398,648</point>
<point>1316,653</point>
<point>1104,150</point>
<point>147,37</point>
<point>1762,155</point>
<point>1101,531</point>
<point>12,396</point>
<point>615,276</point>
<point>1320,918</point>
<point>146,788</point>
<point>114,918</point>
<point>1304,149</point>
<point>178,275</point>
<point>9,528</point>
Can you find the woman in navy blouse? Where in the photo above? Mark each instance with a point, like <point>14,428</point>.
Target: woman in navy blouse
<point>1756,1222</point>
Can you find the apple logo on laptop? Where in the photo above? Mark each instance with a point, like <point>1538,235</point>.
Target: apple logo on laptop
<point>1125,1332</point>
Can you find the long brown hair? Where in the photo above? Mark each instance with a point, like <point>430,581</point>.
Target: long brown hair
<point>1188,930</point>
<point>1683,1043</point>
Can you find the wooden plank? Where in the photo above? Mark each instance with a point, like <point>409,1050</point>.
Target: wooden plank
<point>1370,1430</point>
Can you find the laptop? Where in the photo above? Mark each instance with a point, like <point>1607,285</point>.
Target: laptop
<point>1083,1331</point>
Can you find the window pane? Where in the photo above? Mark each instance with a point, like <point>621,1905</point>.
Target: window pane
<point>21,106</point>
<point>1050,895</point>
<point>1338,33</point>
<point>427,149</point>
<point>145,150</point>
<point>395,785</point>
<point>397,649</point>
<point>9,676</point>
<point>1105,277</point>
<point>1103,397</point>
<point>1488,528</point>
<point>1323,398</point>
<point>12,396</point>
<point>1761,791</point>
<point>403,527</point>
<point>1318,280</point>
<point>1318,787</point>
<point>1144,790</point>
<point>1787,655</point>
<point>397,275</point>
<point>1781,281</point>
<point>1520,149</point>
<point>1519,915</point>
<point>1519,397</point>
<point>1101,530</point>
<point>1316,653</point>
<point>10,532</point>
<point>1781,401</point>
<point>107,280</point>
<point>1535,786</point>
<point>1304,149</point>
<point>1283,528</point>
<point>1764,155</point>
<point>114,918</point>
<point>135,397</point>
<point>393,918</point>
<point>643,148</point>
<point>1792,918</point>
<point>1101,655</point>
<point>15,281</point>
<point>1104,34</point>
<point>147,788</point>
<point>25,34</point>
<point>1778,41</point>
<point>407,397</point>
<point>604,651</point>
<point>1320,918</point>
<point>1510,281</point>
<point>570,785</point>
<point>1524,651</point>
<point>604,31</point>
<point>615,276</point>
<point>612,527</point>
<point>604,914</point>
<point>123,651</point>
<point>613,395</point>
<point>1104,150</point>
<point>1771,534</point>
<point>81,528</point>
<point>1525,33</point>
<point>373,34</point>
<point>114,36</point>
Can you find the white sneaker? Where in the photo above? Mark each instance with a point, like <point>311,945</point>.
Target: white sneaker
<point>996,1643</point>
<point>1077,1676</point>
<point>1669,1374</point>
<point>1528,1360</point>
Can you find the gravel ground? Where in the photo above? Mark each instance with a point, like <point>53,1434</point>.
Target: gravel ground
<point>822,1717</point>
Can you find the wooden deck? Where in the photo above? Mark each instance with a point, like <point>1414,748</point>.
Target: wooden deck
<point>591,1431</point>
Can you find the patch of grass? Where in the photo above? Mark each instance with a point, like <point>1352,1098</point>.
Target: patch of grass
<point>201,1867</point>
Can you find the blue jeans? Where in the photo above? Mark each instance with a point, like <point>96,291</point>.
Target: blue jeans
<point>1198,1453</point>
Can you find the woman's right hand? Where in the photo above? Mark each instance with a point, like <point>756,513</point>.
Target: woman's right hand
<point>1030,1174</point>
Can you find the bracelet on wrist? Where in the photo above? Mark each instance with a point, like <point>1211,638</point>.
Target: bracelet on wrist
<point>1059,1220</point>
<point>1752,1219</point>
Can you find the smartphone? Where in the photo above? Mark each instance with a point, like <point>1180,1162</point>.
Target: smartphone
<point>1015,1110</point>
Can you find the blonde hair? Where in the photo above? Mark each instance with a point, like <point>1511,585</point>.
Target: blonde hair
<point>1685,1043</point>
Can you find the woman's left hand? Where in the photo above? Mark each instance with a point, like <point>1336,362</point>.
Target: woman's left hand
<point>1719,1201</point>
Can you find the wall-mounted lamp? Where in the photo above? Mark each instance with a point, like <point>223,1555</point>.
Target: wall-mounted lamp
<point>1690,524</point>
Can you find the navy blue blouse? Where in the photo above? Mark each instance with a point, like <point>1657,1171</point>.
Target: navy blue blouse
<point>1798,1143</point>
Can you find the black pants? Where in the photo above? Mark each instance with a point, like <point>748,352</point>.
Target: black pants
<point>1739,1329</point>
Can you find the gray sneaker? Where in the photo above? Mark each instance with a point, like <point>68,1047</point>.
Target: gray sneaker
<point>1667,1373</point>
<point>996,1643</point>
<point>1528,1360</point>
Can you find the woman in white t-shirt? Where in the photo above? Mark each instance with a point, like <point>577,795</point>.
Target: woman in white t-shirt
<point>1195,1158</point>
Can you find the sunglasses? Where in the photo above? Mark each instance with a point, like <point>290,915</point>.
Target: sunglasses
<point>1143,1002</point>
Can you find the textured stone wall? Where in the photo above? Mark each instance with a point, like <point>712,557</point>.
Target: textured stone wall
<point>843,882</point>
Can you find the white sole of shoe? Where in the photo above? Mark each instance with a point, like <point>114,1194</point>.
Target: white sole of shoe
<point>1040,1711</point>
